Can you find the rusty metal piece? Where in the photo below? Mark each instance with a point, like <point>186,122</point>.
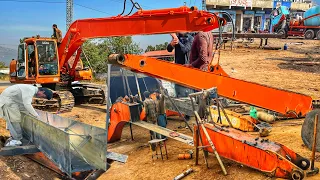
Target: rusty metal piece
<point>307,129</point>
<point>269,157</point>
<point>313,171</point>
<point>182,175</point>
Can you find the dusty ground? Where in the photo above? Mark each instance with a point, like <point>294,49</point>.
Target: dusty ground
<point>290,70</point>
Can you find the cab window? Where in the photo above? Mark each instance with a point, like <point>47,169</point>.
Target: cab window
<point>275,13</point>
<point>47,58</point>
<point>21,66</point>
<point>31,60</point>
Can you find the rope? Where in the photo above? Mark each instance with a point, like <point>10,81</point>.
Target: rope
<point>145,83</point>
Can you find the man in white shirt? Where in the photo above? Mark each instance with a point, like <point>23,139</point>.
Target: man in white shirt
<point>15,99</point>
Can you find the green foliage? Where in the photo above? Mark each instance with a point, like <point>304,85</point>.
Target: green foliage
<point>157,47</point>
<point>98,51</point>
<point>2,65</point>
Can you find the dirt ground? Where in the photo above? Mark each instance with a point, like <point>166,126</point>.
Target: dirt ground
<point>296,69</point>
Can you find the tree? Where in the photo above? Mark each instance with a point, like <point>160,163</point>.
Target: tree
<point>98,51</point>
<point>2,65</point>
<point>157,47</point>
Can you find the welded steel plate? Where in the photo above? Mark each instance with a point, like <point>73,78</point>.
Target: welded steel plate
<point>73,146</point>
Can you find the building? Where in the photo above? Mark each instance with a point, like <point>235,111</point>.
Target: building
<point>4,71</point>
<point>252,14</point>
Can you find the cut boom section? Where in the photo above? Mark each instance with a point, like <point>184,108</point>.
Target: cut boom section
<point>274,99</point>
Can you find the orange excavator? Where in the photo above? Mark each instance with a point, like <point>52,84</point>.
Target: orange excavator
<point>162,21</point>
<point>41,61</point>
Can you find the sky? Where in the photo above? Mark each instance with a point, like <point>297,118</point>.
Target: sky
<point>25,18</point>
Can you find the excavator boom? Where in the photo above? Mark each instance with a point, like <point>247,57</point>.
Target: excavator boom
<point>143,22</point>
<point>278,100</point>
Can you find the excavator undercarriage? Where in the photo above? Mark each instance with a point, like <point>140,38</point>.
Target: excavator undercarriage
<point>66,97</point>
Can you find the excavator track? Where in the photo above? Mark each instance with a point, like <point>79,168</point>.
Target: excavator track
<point>62,101</point>
<point>89,93</point>
<point>66,101</point>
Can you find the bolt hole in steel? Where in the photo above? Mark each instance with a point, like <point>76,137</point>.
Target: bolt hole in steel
<point>121,58</point>
<point>304,164</point>
<point>142,62</point>
<point>209,20</point>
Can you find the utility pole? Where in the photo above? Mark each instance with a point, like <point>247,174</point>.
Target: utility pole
<point>204,5</point>
<point>69,13</point>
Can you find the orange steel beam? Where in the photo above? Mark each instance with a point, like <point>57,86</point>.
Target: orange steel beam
<point>278,100</point>
<point>143,22</point>
<point>270,157</point>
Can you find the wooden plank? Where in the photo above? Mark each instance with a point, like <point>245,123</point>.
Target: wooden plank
<point>166,132</point>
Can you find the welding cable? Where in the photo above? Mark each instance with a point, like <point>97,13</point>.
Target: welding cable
<point>233,28</point>
<point>219,24</point>
<point>134,5</point>
<point>124,7</point>
<point>217,45</point>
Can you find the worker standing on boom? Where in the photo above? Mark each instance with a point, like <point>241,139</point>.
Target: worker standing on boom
<point>57,34</point>
<point>15,99</point>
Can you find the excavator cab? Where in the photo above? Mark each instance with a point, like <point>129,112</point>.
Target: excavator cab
<point>279,20</point>
<point>80,72</point>
<point>37,62</point>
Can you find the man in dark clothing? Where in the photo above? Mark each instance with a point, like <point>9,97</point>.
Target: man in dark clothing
<point>181,42</point>
<point>202,51</point>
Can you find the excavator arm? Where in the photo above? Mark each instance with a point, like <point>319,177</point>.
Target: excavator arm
<point>143,22</point>
<point>278,100</point>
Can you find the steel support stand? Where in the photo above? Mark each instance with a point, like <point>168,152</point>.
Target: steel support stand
<point>211,143</point>
<point>108,102</point>
<point>130,125</point>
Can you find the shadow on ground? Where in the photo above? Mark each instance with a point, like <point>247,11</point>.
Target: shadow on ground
<point>308,64</point>
<point>306,51</point>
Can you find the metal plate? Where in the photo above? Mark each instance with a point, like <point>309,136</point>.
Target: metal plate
<point>117,157</point>
<point>308,128</point>
<point>166,132</point>
<point>73,146</point>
